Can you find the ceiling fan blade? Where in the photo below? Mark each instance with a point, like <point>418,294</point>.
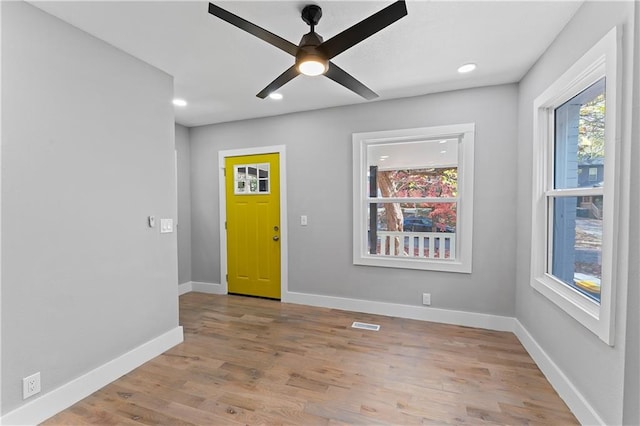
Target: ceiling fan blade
<point>257,31</point>
<point>363,29</point>
<point>340,76</point>
<point>283,79</point>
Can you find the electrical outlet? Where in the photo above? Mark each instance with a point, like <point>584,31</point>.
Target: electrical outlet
<point>426,299</point>
<point>31,385</point>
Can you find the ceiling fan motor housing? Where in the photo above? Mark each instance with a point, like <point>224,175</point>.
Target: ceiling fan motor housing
<point>308,51</point>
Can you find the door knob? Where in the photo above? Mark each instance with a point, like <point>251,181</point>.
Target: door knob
<point>276,238</point>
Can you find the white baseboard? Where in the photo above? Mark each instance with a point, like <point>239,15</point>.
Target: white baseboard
<point>51,403</point>
<point>211,288</point>
<point>185,288</point>
<point>576,402</point>
<point>424,313</point>
<point>200,287</point>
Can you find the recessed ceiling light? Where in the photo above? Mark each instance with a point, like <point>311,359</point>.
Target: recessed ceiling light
<point>466,68</point>
<point>383,157</point>
<point>180,102</point>
<point>443,152</point>
<point>276,96</point>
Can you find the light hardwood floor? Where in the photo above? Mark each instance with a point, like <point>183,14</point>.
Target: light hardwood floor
<point>255,361</point>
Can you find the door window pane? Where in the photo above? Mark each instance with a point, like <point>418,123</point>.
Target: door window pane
<point>251,179</point>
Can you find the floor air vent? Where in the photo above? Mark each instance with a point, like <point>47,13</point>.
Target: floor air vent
<point>365,326</point>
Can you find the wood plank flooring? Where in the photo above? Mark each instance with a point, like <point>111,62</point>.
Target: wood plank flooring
<point>255,361</point>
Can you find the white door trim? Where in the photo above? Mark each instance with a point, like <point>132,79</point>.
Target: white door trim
<point>284,251</point>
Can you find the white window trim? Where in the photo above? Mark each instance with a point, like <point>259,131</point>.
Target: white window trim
<point>464,229</point>
<point>600,61</point>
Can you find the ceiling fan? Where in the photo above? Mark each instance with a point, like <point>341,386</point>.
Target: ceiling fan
<point>313,55</point>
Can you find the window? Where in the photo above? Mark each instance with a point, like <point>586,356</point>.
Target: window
<point>251,178</point>
<point>413,193</point>
<point>575,189</point>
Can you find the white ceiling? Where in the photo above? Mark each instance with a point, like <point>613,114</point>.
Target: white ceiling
<point>219,69</point>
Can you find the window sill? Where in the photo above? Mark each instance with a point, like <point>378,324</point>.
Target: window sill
<point>409,263</point>
<point>581,308</point>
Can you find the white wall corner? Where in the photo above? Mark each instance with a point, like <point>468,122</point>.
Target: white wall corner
<point>576,402</point>
<point>53,402</point>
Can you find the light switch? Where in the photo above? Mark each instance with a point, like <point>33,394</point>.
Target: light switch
<point>166,225</point>
<point>303,220</point>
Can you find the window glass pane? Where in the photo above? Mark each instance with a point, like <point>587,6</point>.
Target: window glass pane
<point>579,139</point>
<point>414,169</point>
<point>263,170</point>
<point>263,178</point>
<point>415,183</point>
<point>429,217</point>
<point>416,217</point>
<point>577,243</point>
<point>420,230</point>
<point>252,179</point>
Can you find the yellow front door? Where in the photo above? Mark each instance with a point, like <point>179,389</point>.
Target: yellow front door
<point>253,224</point>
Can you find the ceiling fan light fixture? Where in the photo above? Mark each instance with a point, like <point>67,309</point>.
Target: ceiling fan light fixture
<point>313,65</point>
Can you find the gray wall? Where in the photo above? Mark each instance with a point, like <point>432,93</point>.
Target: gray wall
<point>632,357</point>
<point>184,204</point>
<point>319,184</point>
<point>596,369</point>
<point>87,155</point>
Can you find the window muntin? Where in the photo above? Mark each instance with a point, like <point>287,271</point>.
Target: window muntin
<point>411,198</point>
<point>251,179</point>
<point>575,208</point>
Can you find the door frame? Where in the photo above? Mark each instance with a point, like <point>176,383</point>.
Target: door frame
<point>222,196</point>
